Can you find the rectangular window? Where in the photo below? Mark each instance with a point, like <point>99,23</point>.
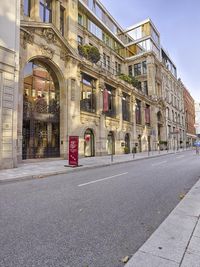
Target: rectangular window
<point>138,111</point>
<point>62,17</point>
<point>111,101</point>
<point>46,11</point>
<point>80,40</point>
<point>144,67</point>
<point>137,69</point>
<point>104,60</point>
<point>130,70</point>
<point>139,85</point>
<point>117,68</point>
<point>80,19</point>
<point>145,87</point>
<point>125,107</point>
<point>94,29</point>
<point>147,114</point>
<point>108,62</point>
<point>27,7</point>
<point>88,93</point>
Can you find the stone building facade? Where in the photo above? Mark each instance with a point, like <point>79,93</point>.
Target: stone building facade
<point>189,117</point>
<point>115,104</point>
<point>197,119</point>
<point>9,71</point>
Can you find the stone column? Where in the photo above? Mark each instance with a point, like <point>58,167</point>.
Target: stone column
<point>56,13</point>
<point>133,120</point>
<point>35,10</point>
<point>102,135</point>
<point>72,20</point>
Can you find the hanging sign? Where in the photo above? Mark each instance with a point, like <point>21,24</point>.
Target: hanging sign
<point>73,150</point>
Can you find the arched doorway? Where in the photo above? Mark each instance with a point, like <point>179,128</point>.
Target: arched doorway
<point>89,150</point>
<point>41,112</point>
<point>127,143</point>
<point>111,143</point>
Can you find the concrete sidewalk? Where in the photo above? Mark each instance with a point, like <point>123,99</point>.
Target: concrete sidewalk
<point>176,242</point>
<point>43,168</point>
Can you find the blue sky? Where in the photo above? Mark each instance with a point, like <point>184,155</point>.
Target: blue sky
<point>178,22</point>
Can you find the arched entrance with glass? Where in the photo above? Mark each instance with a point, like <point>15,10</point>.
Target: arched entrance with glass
<point>111,143</point>
<point>127,143</point>
<point>89,143</point>
<point>41,112</point>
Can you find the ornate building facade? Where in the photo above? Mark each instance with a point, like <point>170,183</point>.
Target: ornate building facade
<point>81,74</point>
<point>9,72</point>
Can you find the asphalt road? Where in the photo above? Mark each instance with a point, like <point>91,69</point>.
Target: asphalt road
<point>91,218</point>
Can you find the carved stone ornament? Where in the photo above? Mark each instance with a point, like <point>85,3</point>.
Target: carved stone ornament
<point>28,38</point>
<point>64,54</point>
<point>49,35</point>
<point>47,51</point>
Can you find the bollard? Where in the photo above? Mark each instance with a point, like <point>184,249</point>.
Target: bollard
<point>111,157</point>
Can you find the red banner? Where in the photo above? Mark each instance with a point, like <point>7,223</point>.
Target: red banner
<point>105,100</point>
<point>73,150</point>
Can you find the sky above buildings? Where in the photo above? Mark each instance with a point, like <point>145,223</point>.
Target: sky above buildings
<point>178,22</point>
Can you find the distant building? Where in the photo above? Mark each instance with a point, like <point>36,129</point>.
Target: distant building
<point>197,119</point>
<point>189,117</point>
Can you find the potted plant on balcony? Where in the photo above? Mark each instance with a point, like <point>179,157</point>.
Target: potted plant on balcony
<point>89,52</point>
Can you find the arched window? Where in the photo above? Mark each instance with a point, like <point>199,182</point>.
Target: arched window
<point>41,112</point>
<point>111,143</point>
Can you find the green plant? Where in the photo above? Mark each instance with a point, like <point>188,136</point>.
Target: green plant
<point>89,52</point>
<point>93,54</point>
<point>130,79</point>
<point>126,150</point>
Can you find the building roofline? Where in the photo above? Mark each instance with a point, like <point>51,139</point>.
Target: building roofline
<point>101,22</point>
<point>141,23</point>
<point>108,13</point>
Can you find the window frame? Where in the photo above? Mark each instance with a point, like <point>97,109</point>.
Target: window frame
<point>44,5</point>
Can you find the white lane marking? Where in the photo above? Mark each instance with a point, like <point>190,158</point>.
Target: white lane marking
<point>179,157</point>
<point>159,163</point>
<point>103,179</point>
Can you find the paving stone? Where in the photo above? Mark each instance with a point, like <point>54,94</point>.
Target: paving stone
<point>194,245</point>
<point>171,238</point>
<point>197,230</point>
<point>191,260</point>
<point>142,259</point>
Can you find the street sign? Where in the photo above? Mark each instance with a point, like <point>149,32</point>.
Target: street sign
<point>73,150</point>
